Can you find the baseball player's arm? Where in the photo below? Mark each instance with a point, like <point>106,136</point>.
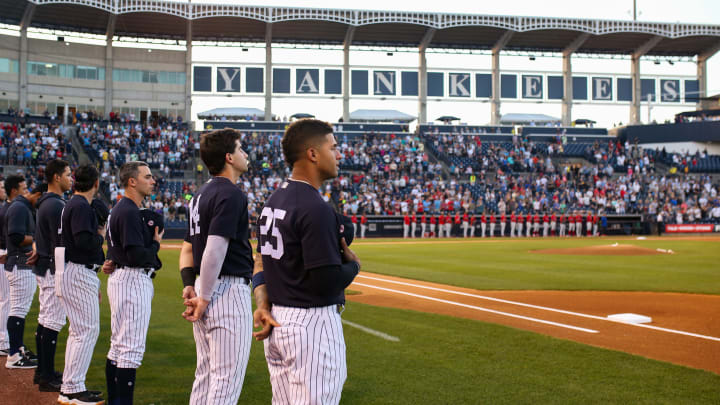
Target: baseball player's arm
<point>187,262</point>
<point>210,266</point>
<point>262,317</point>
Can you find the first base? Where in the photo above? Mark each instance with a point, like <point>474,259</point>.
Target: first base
<point>630,318</point>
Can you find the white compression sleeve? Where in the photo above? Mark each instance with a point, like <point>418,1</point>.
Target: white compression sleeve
<point>211,264</point>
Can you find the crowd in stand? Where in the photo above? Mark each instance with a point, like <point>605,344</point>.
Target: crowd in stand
<point>29,144</point>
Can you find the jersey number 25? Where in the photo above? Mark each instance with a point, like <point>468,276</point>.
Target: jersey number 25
<point>269,230</point>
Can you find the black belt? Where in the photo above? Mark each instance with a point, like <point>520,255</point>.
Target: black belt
<point>93,267</point>
<point>245,280</point>
<point>147,270</point>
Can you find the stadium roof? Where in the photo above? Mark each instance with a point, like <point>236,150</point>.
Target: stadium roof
<point>380,116</point>
<point>223,22</point>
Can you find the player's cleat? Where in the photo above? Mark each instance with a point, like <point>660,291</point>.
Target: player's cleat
<point>80,398</point>
<point>4,352</point>
<point>29,354</point>
<point>19,361</point>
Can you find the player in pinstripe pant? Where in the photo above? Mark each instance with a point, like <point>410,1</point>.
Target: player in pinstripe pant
<point>307,267</point>
<point>4,285</point>
<point>77,285</point>
<point>132,254</point>
<point>218,250</point>
<point>51,316</point>
<point>19,231</point>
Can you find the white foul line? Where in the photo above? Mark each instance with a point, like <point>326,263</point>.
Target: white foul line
<point>371,331</point>
<point>562,325</point>
<point>522,304</point>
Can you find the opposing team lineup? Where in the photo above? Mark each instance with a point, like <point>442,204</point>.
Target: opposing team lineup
<point>534,224</point>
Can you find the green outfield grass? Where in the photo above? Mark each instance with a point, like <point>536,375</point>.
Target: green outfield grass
<point>444,360</point>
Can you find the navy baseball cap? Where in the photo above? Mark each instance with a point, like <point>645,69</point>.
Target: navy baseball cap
<point>347,230</point>
<point>152,219</point>
<point>101,211</point>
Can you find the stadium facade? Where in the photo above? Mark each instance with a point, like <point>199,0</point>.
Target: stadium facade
<point>39,74</point>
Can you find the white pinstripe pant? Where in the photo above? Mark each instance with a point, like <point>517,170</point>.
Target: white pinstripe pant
<point>306,356</point>
<point>222,338</point>
<point>4,308</point>
<point>78,287</point>
<point>130,292</point>
<point>22,290</point>
<point>52,312</point>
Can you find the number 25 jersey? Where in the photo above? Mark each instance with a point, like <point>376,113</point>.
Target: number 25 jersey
<point>220,208</point>
<point>297,232</point>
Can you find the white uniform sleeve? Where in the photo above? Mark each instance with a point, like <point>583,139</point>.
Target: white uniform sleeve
<point>211,264</point>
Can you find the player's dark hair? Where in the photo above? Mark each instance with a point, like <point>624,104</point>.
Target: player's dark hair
<point>55,167</point>
<point>299,136</point>
<point>85,177</point>
<point>13,182</point>
<point>41,188</point>
<point>130,170</point>
<point>215,145</point>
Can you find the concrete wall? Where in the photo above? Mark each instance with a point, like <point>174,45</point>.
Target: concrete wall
<point>61,90</point>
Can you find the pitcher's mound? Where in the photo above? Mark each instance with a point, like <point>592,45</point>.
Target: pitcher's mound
<point>602,250</point>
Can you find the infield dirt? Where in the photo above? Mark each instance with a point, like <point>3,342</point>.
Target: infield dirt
<point>692,313</point>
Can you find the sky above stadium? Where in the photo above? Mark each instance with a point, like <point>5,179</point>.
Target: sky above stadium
<point>687,11</point>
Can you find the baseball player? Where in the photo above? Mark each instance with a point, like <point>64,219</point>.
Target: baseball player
<point>563,224</point>
<point>441,225</point>
<point>536,225</point>
<point>306,266</point>
<point>492,224</point>
<point>571,223</point>
<point>465,224</point>
<point>589,223</point>
<point>483,225</point>
<point>595,221</point>
<point>19,230</point>
<point>363,225</point>
<point>528,224</point>
<point>4,286</point>
<point>472,226</point>
<point>217,249</point>
<point>503,220</point>
<point>406,225</point>
<point>546,224</point>
<point>413,224</point>
<point>77,285</point>
<point>51,316</point>
<point>423,225</point>
<point>513,220</point>
<point>354,221</point>
<point>433,220</point>
<point>578,224</point>
<point>553,224</point>
<point>132,263</point>
<point>520,219</point>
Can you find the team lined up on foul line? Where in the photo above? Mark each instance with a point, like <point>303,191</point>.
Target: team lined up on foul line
<point>521,225</point>
<point>57,245</point>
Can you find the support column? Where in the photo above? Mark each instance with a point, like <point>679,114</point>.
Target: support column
<point>635,73</point>
<point>109,33</point>
<point>636,90</point>
<point>346,74</point>
<point>188,73</point>
<point>702,75</point>
<point>23,85</point>
<point>567,100</point>
<point>268,72</point>
<point>422,76</point>
<point>495,97</point>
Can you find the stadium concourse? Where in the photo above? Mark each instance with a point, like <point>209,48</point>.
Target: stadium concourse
<point>490,173</point>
